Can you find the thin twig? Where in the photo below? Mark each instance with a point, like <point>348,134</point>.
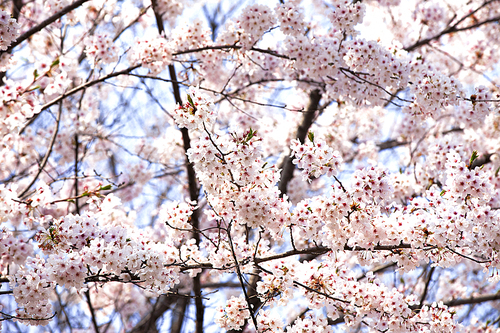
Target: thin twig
<point>47,154</point>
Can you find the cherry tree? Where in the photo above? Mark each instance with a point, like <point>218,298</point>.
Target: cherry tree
<point>286,166</point>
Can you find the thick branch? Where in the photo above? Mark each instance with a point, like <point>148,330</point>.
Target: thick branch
<point>307,119</point>
<point>178,315</point>
<point>192,181</point>
<point>147,323</point>
<point>473,300</point>
<point>426,288</point>
<point>92,312</point>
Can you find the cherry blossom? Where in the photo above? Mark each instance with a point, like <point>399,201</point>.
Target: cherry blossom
<point>293,166</point>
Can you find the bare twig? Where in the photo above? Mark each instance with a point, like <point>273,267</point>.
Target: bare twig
<point>47,154</point>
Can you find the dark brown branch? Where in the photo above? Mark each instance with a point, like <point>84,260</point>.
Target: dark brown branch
<point>92,312</point>
<point>286,175</point>
<point>43,24</point>
<point>318,250</point>
<point>17,5</point>
<point>193,194</point>
<point>178,314</point>
<point>162,305</point>
<point>479,162</point>
<point>231,47</point>
<point>389,144</point>
<point>426,288</point>
<point>473,300</point>
<point>252,304</point>
<point>357,76</point>
<point>192,181</point>
<point>454,27</point>
<point>75,90</point>
<point>308,117</point>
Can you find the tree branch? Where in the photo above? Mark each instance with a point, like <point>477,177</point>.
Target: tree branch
<point>473,300</point>
<point>308,117</point>
<point>47,154</point>
<point>454,27</point>
<point>43,24</point>
<point>75,90</point>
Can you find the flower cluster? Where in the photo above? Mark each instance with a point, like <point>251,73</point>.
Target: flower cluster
<point>233,315</point>
<point>176,215</point>
<point>9,208</point>
<point>17,105</point>
<point>291,18</point>
<point>368,300</point>
<point>347,14</point>
<point>9,30</point>
<point>433,15</point>
<point>221,255</point>
<point>196,112</point>
<point>231,170</point>
<point>387,66</point>
<point>331,210</point>
<point>191,255</point>
<point>315,158</point>
<point>54,6</point>
<point>67,270</point>
<point>68,232</point>
<point>151,53</point>
<point>480,105</point>
<point>32,293</point>
<point>43,196</point>
<point>169,9</point>
<point>254,22</point>
<point>310,324</point>
<point>276,285</point>
<point>13,250</point>
<point>100,48</point>
<point>318,57</point>
<point>269,322</point>
<point>481,56</point>
<point>465,183</point>
<point>193,36</point>
<point>432,90</point>
<point>371,185</point>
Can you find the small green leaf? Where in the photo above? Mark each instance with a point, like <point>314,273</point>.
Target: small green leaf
<point>472,158</point>
<point>35,74</point>
<point>54,63</point>
<point>190,100</point>
<point>250,135</point>
<point>310,136</point>
<point>442,192</point>
<point>496,172</point>
<point>34,88</point>
<point>105,188</point>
